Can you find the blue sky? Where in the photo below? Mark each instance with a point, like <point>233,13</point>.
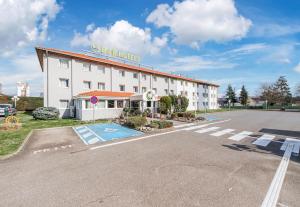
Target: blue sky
<point>224,41</point>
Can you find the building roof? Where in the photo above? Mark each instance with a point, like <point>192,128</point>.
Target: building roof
<point>41,51</point>
<point>105,94</point>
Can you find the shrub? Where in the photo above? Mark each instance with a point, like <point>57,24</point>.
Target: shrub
<point>135,112</point>
<point>162,124</point>
<point>46,113</point>
<point>165,104</point>
<point>174,115</point>
<point>29,103</point>
<point>146,112</point>
<point>136,122</point>
<point>154,125</point>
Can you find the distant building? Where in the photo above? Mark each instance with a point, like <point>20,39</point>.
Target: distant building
<point>0,88</point>
<point>23,89</point>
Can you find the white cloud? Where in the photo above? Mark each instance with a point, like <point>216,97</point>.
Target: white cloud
<point>249,48</point>
<point>22,68</point>
<point>23,22</point>
<point>193,63</point>
<point>297,68</point>
<point>275,30</point>
<point>194,22</point>
<point>121,35</point>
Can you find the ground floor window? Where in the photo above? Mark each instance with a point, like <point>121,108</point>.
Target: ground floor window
<point>148,104</point>
<point>88,104</point>
<point>101,104</point>
<point>64,104</point>
<point>135,104</point>
<point>111,104</point>
<point>120,104</point>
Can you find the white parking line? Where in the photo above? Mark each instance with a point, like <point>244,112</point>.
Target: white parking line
<point>223,132</point>
<point>201,131</point>
<point>275,187</point>
<point>240,136</point>
<point>205,125</point>
<point>295,142</point>
<point>264,140</point>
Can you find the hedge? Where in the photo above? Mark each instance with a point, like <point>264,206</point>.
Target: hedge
<point>29,103</point>
<point>161,124</point>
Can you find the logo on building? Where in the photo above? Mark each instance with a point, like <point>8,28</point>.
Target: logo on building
<point>115,53</point>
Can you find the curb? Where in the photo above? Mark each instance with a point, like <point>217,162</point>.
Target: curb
<point>5,157</point>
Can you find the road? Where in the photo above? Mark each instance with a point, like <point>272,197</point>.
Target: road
<point>185,167</point>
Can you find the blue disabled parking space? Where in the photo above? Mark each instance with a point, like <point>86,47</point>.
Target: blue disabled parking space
<point>211,118</point>
<point>91,134</point>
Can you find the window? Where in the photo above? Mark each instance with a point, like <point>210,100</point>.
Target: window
<point>122,87</point>
<point>186,93</point>
<point>64,63</point>
<point>148,104</point>
<point>186,83</point>
<point>110,104</point>
<point>155,90</point>
<point>101,86</point>
<point>86,67</point>
<point>120,104</point>
<point>135,89</point>
<point>144,77</point>
<point>135,75</point>
<point>87,85</point>
<point>122,73</point>
<point>166,91</point>
<point>166,80</point>
<point>181,83</point>
<point>197,94</point>
<point>194,94</point>
<point>64,82</point>
<point>63,104</point>
<point>144,89</point>
<point>100,104</point>
<point>193,84</point>
<point>172,92</point>
<point>154,78</point>
<point>172,81</point>
<point>101,69</point>
<point>88,104</point>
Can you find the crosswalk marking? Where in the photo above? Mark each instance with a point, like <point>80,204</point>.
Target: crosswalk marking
<point>264,140</point>
<point>295,142</point>
<point>207,130</point>
<point>240,136</point>
<point>184,125</point>
<point>195,127</point>
<point>223,132</point>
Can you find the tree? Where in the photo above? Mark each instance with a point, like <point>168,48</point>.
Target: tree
<point>165,104</point>
<point>282,90</point>
<point>173,102</point>
<point>244,96</point>
<point>230,95</point>
<point>268,93</point>
<point>298,90</point>
<point>184,103</point>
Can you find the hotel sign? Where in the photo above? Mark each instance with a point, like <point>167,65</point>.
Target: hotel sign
<point>115,53</point>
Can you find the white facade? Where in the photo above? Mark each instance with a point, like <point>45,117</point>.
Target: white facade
<point>66,75</point>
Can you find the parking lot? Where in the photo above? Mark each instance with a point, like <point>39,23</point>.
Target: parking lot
<point>236,160</point>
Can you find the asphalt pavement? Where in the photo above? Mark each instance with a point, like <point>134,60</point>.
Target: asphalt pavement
<point>208,164</point>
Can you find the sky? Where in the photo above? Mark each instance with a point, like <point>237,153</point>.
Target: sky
<point>237,42</point>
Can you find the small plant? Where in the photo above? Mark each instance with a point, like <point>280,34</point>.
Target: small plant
<point>136,122</point>
<point>161,124</point>
<point>46,113</point>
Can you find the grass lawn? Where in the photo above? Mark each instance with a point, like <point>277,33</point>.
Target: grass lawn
<point>11,140</point>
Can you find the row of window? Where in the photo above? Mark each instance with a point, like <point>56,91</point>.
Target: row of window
<point>65,63</point>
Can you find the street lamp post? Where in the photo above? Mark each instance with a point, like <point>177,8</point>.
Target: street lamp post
<point>266,104</point>
<point>229,103</point>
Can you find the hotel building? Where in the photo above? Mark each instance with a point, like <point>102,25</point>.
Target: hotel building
<point>70,79</point>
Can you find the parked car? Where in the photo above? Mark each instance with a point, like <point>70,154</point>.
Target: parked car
<point>9,107</point>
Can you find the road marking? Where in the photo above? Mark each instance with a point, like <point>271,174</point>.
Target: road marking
<point>295,142</point>
<point>205,125</point>
<point>201,131</point>
<point>264,140</point>
<point>93,141</point>
<point>82,130</point>
<point>145,137</point>
<point>275,187</point>
<point>223,132</point>
<point>184,125</point>
<point>240,136</point>
<point>52,149</point>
